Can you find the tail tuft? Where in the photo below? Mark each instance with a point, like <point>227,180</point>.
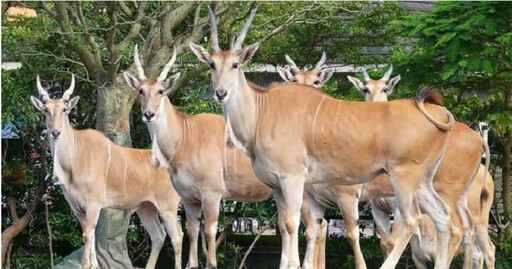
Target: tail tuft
<point>430,95</point>
<point>484,195</point>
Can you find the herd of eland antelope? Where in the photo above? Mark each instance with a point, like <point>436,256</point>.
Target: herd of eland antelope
<point>290,141</point>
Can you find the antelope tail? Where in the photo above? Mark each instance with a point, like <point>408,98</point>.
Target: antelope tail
<point>431,96</point>
<point>484,195</point>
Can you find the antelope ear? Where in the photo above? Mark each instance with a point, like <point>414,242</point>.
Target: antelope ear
<point>132,81</point>
<point>286,74</point>
<point>169,83</point>
<point>325,75</point>
<point>37,103</point>
<point>249,51</point>
<point>359,85</point>
<point>200,53</point>
<point>392,83</point>
<point>72,103</point>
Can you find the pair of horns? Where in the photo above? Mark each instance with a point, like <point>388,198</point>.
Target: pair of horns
<point>240,38</point>
<point>44,94</point>
<point>386,76</point>
<point>294,67</point>
<point>165,71</point>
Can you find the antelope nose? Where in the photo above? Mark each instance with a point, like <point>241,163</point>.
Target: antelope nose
<point>149,115</point>
<point>55,134</point>
<point>221,93</point>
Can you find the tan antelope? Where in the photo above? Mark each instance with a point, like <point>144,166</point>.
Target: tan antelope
<point>295,134</point>
<point>423,250</point>
<point>315,77</point>
<point>95,173</point>
<point>319,196</point>
<point>194,149</point>
<point>454,181</point>
<point>347,197</point>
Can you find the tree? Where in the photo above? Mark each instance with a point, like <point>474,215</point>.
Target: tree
<point>95,41</point>
<point>465,49</point>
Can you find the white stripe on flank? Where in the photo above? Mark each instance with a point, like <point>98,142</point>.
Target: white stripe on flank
<point>125,168</point>
<point>337,112</point>
<point>109,156</point>
<point>316,114</point>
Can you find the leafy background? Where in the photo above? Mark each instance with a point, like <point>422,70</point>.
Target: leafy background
<point>464,49</point>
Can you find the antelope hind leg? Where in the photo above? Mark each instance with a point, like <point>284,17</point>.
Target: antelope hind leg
<point>148,215</point>
<point>312,214</point>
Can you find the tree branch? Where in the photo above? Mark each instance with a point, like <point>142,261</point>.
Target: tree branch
<point>174,18</point>
<point>94,67</point>
<point>128,12</point>
<point>242,264</point>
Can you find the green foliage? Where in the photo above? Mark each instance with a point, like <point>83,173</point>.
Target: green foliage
<point>464,49</point>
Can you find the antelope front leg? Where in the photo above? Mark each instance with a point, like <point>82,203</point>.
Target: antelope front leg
<point>312,215</point>
<point>211,214</point>
<point>350,211</point>
<point>404,194</point>
<point>319,260</point>
<point>281,222</point>
<point>292,188</point>
<point>174,231</point>
<point>91,219</point>
<point>193,212</point>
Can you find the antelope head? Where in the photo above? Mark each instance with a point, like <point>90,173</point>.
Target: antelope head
<point>151,91</point>
<point>315,77</point>
<point>376,90</point>
<point>55,110</point>
<point>226,66</point>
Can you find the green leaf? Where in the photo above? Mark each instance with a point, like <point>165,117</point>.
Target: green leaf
<point>449,72</point>
<point>445,38</point>
<point>465,36</point>
<point>430,31</point>
<point>490,27</point>
<point>474,63</point>
<point>487,66</point>
<point>453,50</point>
<point>463,63</point>
<point>490,50</point>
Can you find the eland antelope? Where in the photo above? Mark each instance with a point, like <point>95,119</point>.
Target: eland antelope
<point>454,181</point>
<point>347,197</point>
<point>95,173</point>
<point>315,77</point>
<point>295,134</point>
<point>193,148</point>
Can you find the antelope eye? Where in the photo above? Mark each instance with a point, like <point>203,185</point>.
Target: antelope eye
<point>65,110</point>
<point>366,91</point>
<point>385,90</point>
<point>141,92</point>
<point>317,82</point>
<point>160,92</point>
<point>45,110</point>
<point>212,65</point>
<point>236,65</point>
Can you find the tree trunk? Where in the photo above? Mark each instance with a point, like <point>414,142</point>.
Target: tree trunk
<point>10,233</point>
<point>114,103</point>
<point>506,167</point>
